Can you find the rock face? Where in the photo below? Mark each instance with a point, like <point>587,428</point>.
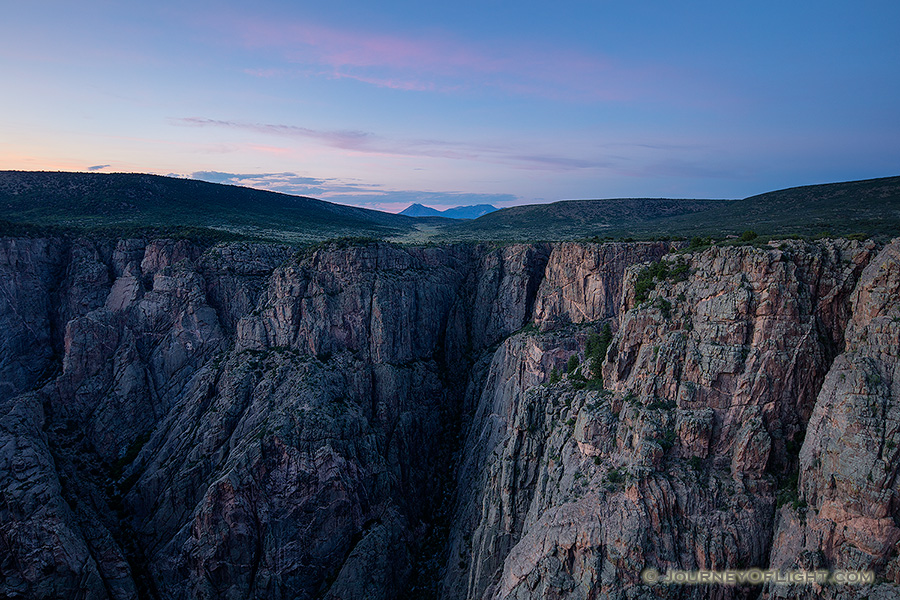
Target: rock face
<point>370,421</point>
<point>28,269</point>
<point>848,512</point>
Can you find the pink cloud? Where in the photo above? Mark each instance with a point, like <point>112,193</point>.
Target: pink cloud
<point>362,142</point>
<point>339,48</point>
<point>438,63</point>
<point>266,73</point>
<point>345,139</point>
<point>409,85</point>
<point>16,161</point>
<point>270,149</point>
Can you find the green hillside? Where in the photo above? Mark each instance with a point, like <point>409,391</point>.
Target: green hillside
<point>870,207</point>
<point>122,202</point>
<point>572,219</point>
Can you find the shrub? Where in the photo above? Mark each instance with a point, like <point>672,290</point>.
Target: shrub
<point>615,476</point>
<point>646,279</point>
<point>595,351</point>
<point>668,440</point>
<point>788,492</point>
<point>128,457</point>
<point>660,404</point>
<point>572,364</point>
<point>748,235</point>
<point>873,380</point>
<point>680,271</point>
<point>665,308</point>
<point>649,275</point>
<point>554,376</point>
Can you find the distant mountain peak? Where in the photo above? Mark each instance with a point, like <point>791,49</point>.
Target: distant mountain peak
<point>420,210</point>
<point>459,212</point>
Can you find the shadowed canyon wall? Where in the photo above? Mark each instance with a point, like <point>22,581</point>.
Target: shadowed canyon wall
<point>371,421</point>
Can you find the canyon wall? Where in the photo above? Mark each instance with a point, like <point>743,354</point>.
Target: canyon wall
<point>374,421</point>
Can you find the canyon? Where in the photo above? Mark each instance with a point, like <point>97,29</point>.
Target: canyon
<point>370,420</point>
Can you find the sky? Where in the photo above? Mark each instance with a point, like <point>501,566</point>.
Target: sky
<point>382,104</point>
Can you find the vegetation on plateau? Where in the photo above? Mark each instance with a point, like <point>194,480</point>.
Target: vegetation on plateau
<point>140,205</point>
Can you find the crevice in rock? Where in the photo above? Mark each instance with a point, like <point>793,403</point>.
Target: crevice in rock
<point>537,269</point>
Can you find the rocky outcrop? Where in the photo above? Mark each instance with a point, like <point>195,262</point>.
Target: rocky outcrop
<point>50,547</point>
<point>846,512</point>
<point>376,421</point>
<point>131,326</point>
<point>583,282</point>
<point>688,458</point>
<point>28,270</point>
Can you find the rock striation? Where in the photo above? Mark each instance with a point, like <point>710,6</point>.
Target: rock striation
<point>375,421</point>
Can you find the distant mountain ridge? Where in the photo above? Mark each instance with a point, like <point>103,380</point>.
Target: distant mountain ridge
<point>459,212</point>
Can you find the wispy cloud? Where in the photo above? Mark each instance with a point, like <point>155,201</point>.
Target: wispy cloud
<point>98,167</point>
<point>288,183</point>
<point>356,194</point>
<point>440,63</point>
<point>364,142</point>
<point>559,162</point>
<point>345,139</point>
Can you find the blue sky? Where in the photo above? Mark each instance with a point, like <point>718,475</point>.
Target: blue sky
<point>384,104</point>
